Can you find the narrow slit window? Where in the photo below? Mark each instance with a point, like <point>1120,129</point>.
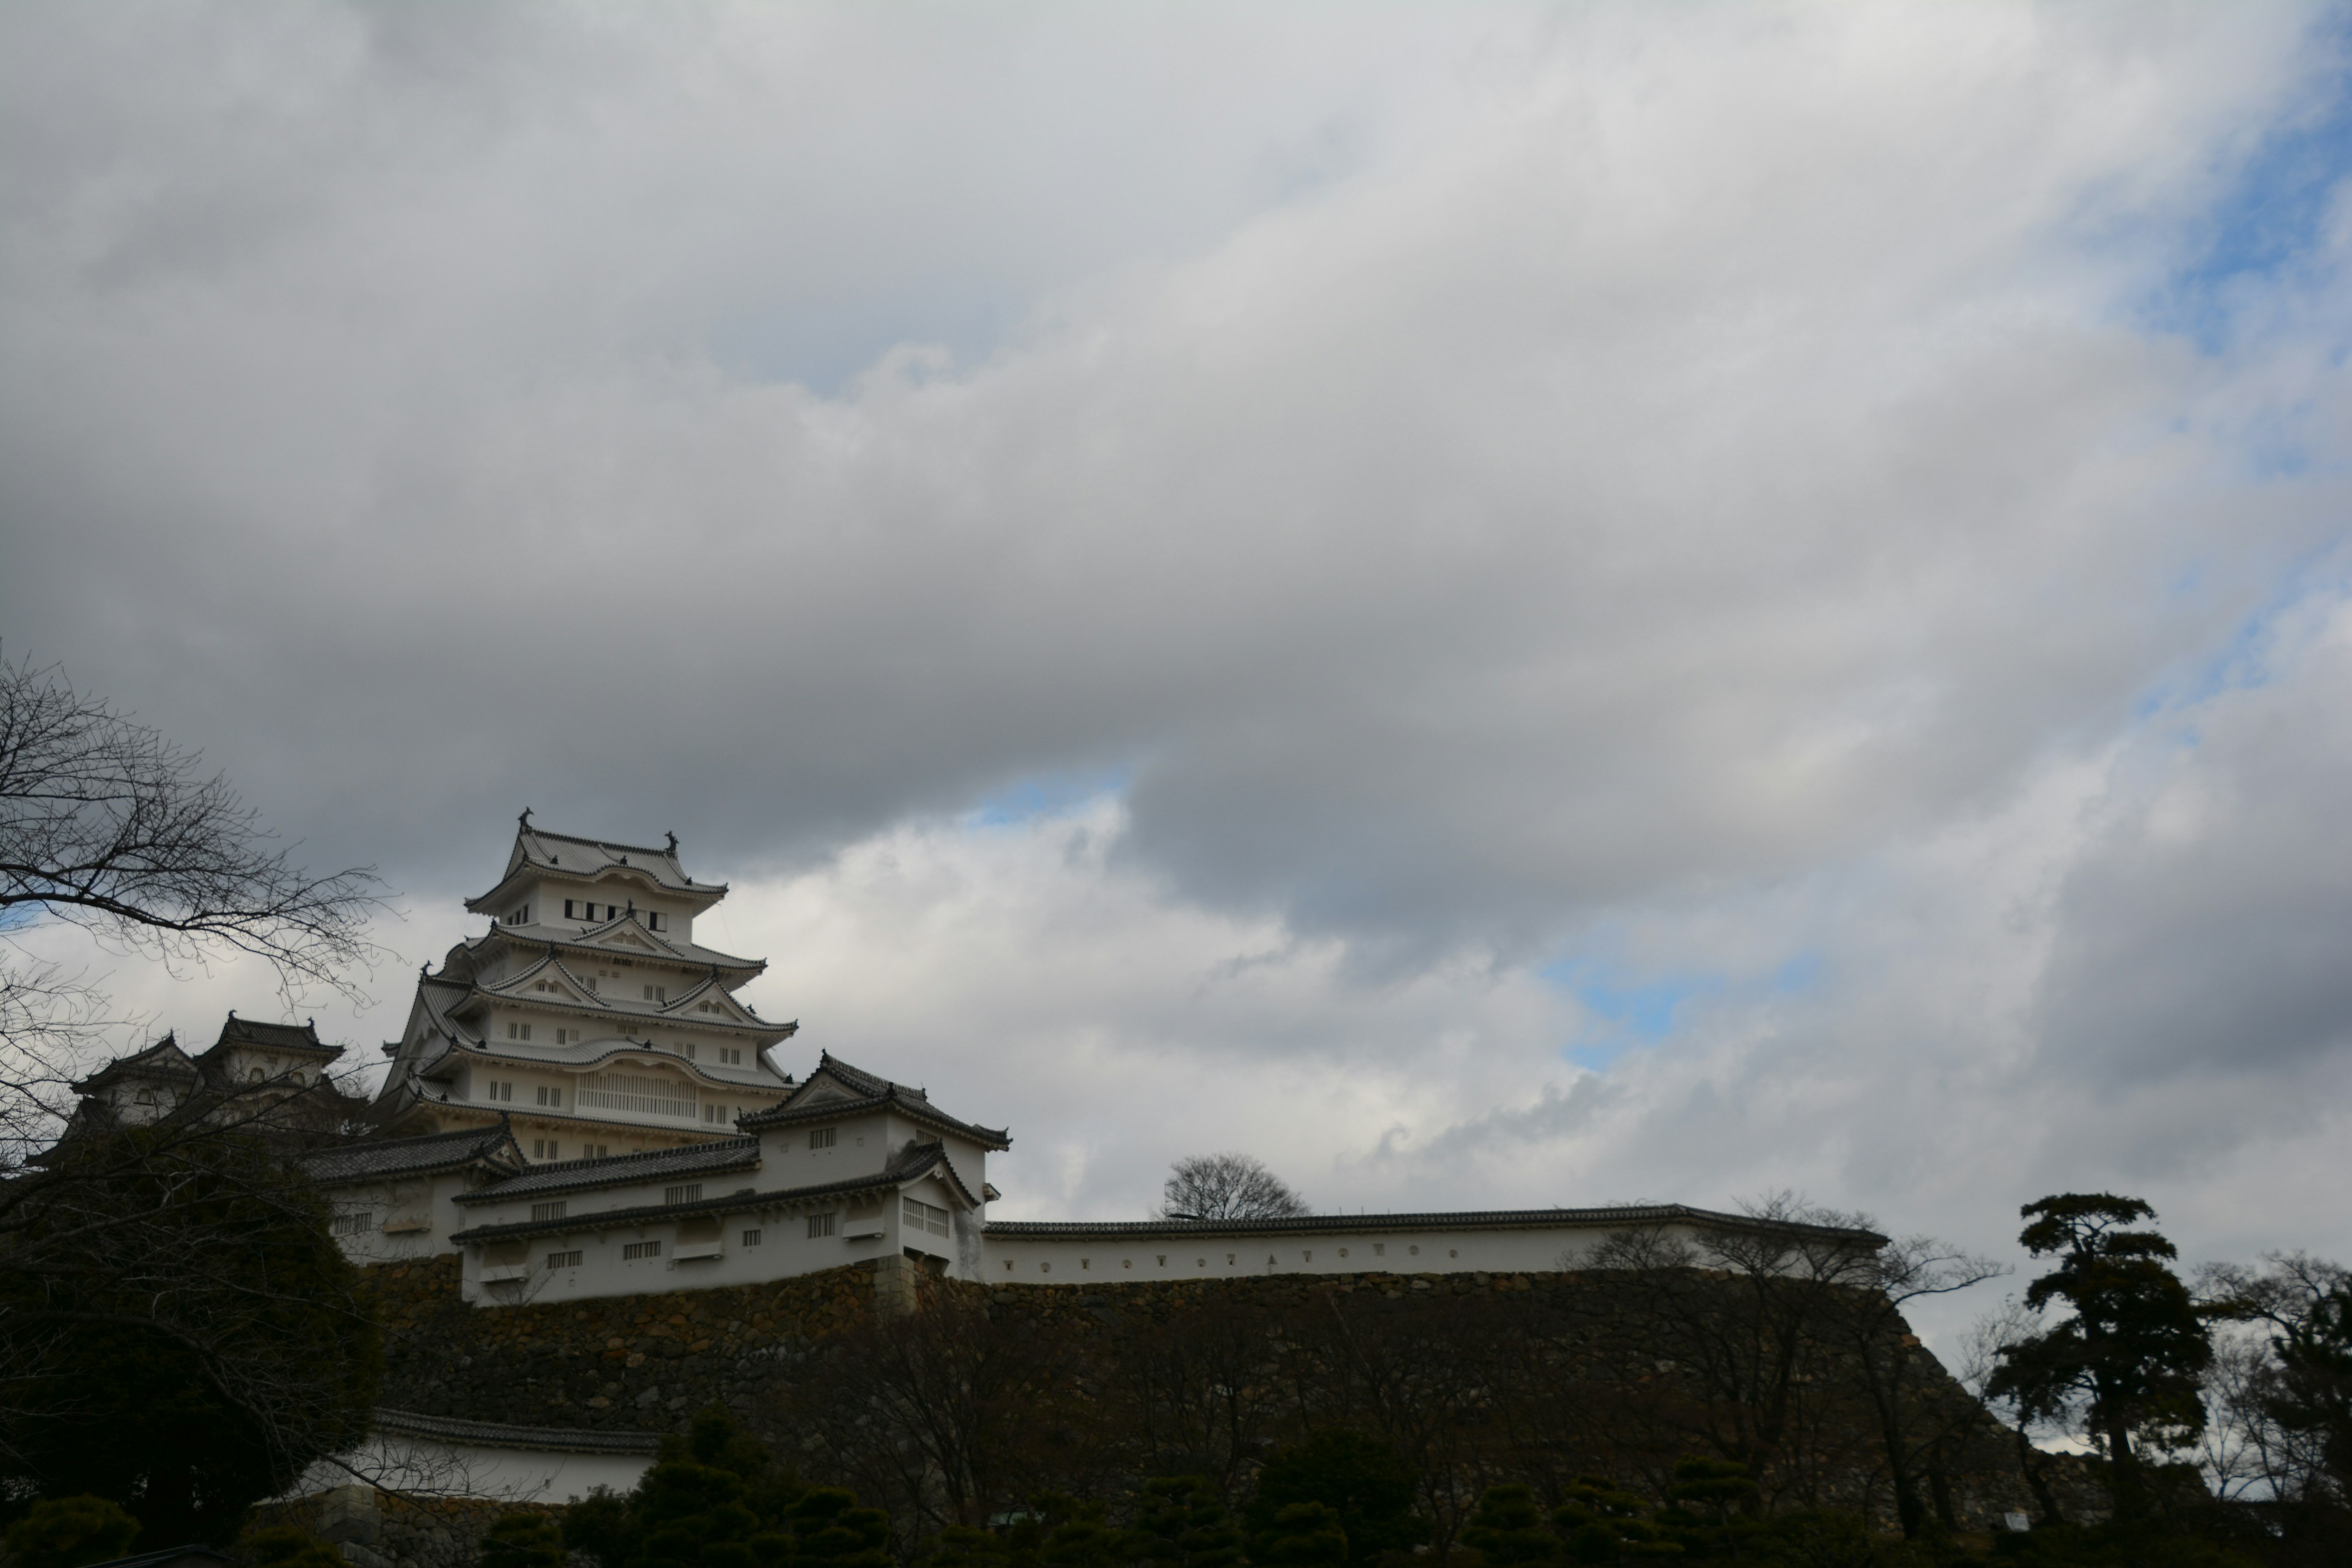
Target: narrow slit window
<point>820,1224</point>
<point>632,1251</point>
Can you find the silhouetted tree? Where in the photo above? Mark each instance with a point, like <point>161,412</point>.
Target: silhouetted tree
<point>1509,1527</point>
<point>1227,1186</point>
<point>1182,1523</point>
<point>188,1337</point>
<point>106,825</point>
<point>66,1532</point>
<point>2135,1346</point>
<point>1369,1490</point>
<point>1302,1535</point>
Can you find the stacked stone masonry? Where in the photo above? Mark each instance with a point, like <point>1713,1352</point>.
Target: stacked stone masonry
<point>646,1362</point>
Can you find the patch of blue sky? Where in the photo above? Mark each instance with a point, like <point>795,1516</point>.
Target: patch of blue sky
<point>1636,1012</point>
<point>2271,216</point>
<point>1036,797</point>
<point>827,348</point>
<point>2250,657</point>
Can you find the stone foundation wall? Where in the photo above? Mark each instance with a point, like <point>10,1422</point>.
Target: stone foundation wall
<point>647,1363</point>
<point>625,1362</point>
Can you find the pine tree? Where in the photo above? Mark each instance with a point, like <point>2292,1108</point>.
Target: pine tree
<point>1507,1528</point>
<point>1304,1535</point>
<point>1182,1523</point>
<point>2135,1348</point>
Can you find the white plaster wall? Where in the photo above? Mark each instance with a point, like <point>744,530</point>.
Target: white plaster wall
<point>471,1469</point>
<point>431,1198</point>
<point>785,1251</point>
<point>1374,1249</point>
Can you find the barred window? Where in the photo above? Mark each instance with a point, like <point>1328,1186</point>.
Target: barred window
<point>822,1138</point>
<point>685,1194</point>
<point>548,1211</point>
<point>632,1251</point>
<point>921,1215</point>
<point>752,1238</point>
<point>715,1114</point>
<point>563,1260</point>
<point>820,1224</point>
<point>353,1224</point>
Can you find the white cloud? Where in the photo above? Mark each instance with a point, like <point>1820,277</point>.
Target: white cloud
<point>1709,494</point>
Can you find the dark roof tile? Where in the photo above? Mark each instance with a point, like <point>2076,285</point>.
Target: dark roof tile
<point>620,1170</point>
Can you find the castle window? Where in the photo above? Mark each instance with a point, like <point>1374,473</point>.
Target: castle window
<point>821,1137</point>
<point>602,1150</point>
<point>548,1211</point>
<point>820,1224</point>
<point>690,1050</point>
<point>567,909</point>
<point>685,1194</point>
<point>563,1260</point>
<point>500,1089</point>
<point>640,1093</point>
<point>921,1215</point>
<point>353,1224</point>
<point>656,994</point>
<point>752,1238</point>
<point>632,1251</point>
<point>517,1031</point>
<point>729,1056</point>
<point>297,1076</point>
<point>551,1096</point>
<point>715,1114</point>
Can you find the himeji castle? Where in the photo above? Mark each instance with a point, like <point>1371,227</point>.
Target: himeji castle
<point>587,1018</point>
<point>581,1106</point>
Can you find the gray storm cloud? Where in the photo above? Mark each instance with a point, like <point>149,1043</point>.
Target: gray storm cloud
<point>1471,482</point>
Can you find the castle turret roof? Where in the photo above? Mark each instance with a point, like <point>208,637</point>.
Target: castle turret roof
<point>538,853</point>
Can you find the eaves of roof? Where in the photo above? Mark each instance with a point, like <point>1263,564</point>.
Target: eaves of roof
<point>523,861</point>
<point>376,1159</point>
<point>538,933</point>
<point>759,1029</point>
<point>549,1057</point>
<point>1616,1217</point>
<point>917,1110</point>
<point>732,1203</point>
<point>621,1170</point>
<point>500,1434</point>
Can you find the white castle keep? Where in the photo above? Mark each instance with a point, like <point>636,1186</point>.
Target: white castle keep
<point>582,1107</point>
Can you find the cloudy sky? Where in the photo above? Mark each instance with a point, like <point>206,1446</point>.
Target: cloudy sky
<point>1499,605</point>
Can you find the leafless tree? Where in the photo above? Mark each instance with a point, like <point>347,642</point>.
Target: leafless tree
<point>1869,1294</point>
<point>2247,1449</point>
<point>946,1414</point>
<point>106,825</point>
<point>1199,1393</point>
<point>1227,1186</point>
<point>109,827</point>
<point>1988,1345</point>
